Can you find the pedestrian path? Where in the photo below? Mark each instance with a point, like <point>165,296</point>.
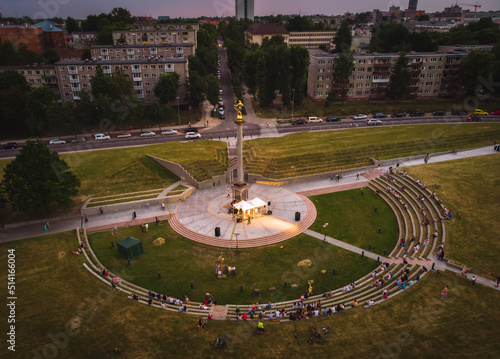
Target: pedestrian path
<point>269,130</point>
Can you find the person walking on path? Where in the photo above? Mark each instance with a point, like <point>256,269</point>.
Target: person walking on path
<point>48,224</point>
<point>444,294</point>
<point>228,193</point>
<point>473,280</point>
<point>357,177</point>
<point>45,228</point>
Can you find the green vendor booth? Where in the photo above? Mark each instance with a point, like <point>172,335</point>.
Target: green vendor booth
<point>130,247</point>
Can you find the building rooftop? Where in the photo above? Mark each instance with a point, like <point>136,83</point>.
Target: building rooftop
<point>260,28</point>
<point>28,67</point>
<point>94,61</point>
<point>49,26</point>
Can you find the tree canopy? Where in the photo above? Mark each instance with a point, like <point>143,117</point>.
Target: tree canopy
<point>166,87</point>
<point>37,177</point>
<point>343,37</point>
<point>475,70</point>
<point>399,85</point>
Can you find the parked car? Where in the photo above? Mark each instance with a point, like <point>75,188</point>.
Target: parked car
<point>299,122</point>
<point>474,118</point>
<point>439,113</point>
<point>220,92</point>
<point>79,140</point>
<point>170,131</point>
<point>332,119</point>
<point>314,120</point>
<point>101,136</point>
<point>148,134</point>
<point>360,117</point>
<point>398,114</point>
<point>459,113</point>
<point>417,114</point>
<point>124,135</point>
<point>9,145</point>
<point>57,142</point>
<point>480,112</point>
<point>379,115</point>
<point>221,115</point>
<point>192,135</point>
<point>191,129</point>
<point>373,122</point>
<point>496,113</point>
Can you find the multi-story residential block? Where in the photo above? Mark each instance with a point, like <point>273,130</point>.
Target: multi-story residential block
<point>157,34</point>
<point>29,35</point>
<point>135,52</point>
<point>310,39</point>
<point>74,76</point>
<point>36,75</point>
<point>434,74</point>
<point>80,40</point>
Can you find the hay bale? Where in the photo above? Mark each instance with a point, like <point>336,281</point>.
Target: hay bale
<point>304,263</point>
<point>272,289</point>
<point>159,241</point>
<point>323,271</point>
<point>294,286</point>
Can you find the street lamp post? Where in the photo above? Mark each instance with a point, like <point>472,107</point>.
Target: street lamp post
<point>178,112</point>
<point>293,101</point>
<point>324,226</point>
<point>281,109</point>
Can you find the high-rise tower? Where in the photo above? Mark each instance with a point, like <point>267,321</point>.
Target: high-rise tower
<point>244,9</point>
<point>412,5</point>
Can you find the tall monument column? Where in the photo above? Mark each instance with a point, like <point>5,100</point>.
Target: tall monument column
<point>240,187</point>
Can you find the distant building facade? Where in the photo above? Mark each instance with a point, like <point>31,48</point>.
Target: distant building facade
<point>137,52</point>
<point>244,9</point>
<point>29,35</point>
<point>434,74</point>
<point>156,34</point>
<point>36,75</point>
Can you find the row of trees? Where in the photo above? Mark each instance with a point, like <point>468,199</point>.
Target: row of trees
<point>10,55</point>
<point>395,37</point>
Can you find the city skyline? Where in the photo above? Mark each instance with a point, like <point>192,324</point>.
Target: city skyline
<point>215,8</point>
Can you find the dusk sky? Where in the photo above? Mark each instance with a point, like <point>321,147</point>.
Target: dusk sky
<point>194,8</point>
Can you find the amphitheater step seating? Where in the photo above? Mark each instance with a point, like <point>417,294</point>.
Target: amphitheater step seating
<point>410,260</point>
<point>219,312</point>
<point>372,174</point>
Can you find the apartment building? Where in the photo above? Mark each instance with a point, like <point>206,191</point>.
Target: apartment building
<point>36,75</point>
<point>73,77</point>
<point>434,74</point>
<point>137,52</point>
<point>156,35</point>
<point>29,35</point>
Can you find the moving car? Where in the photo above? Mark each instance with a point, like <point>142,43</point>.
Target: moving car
<point>480,112</point>
<point>332,119</point>
<point>398,114</point>
<point>79,140</point>
<point>360,117</point>
<point>373,122</point>
<point>57,142</point>
<point>148,134</point>
<point>101,136</point>
<point>314,120</point>
<point>221,116</point>
<point>474,118</point>
<point>9,145</point>
<point>496,113</point>
<point>439,113</point>
<point>124,135</point>
<point>299,122</point>
<point>459,113</point>
<point>170,131</point>
<point>379,115</point>
<point>192,135</point>
<point>417,114</point>
<point>191,129</point>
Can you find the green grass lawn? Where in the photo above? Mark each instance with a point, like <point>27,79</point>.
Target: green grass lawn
<point>181,261</point>
<point>308,153</point>
<point>351,218</point>
<point>469,186</point>
<point>350,109</point>
<point>54,290</point>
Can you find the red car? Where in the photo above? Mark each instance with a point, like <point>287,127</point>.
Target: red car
<point>496,113</point>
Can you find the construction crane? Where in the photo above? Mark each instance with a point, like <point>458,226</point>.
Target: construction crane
<point>475,6</point>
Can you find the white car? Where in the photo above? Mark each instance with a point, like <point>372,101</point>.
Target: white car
<point>169,132</point>
<point>360,117</point>
<point>57,142</point>
<point>314,119</point>
<point>373,122</point>
<point>220,93</point>
<point>101,136</point>
<point>124,135</point>
<point>192,135</point>
<point>148,134</point>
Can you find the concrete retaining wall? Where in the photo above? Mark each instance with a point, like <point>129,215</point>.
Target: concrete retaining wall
<point>110,208</point>
<point>176,169</point>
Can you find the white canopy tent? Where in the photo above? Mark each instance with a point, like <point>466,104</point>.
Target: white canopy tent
<point>251,207</point>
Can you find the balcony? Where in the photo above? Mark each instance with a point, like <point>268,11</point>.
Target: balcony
<point>76,89</point>
<point>140,95</point>
<point>179,52</point>
<point>74,81</point>
<point>73,72</point>
<point>130,52</point>
<point>106,70</point>
<point>169,69</point>
<point>382,73</point>
<point>380,81</point>
<point>153,52</point>
<point>137,78</point>
<point>138,87</point>
<point>104,53</point>
<point>136,70</point>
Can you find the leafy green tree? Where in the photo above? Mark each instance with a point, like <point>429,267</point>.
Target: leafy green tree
<point>299,57</point>
<point>389,37</point>
<point>50,55</point>
<point>299,23</point>
<point>399,83</point>
<point>213,89</point>
<point>40,105</point>
<point>166,87</point>
<point>14,91</point>
<point>72,25</point>
<point>119,14</point>
<point>86,54</point>
<point>343,37</point>
<point>38,177</point>
<point>330,98</point>
<point>196,88</point>
<point>343,68</point>
<point>475,69</point>
<point>424,17</point>
<point>250,61</point>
